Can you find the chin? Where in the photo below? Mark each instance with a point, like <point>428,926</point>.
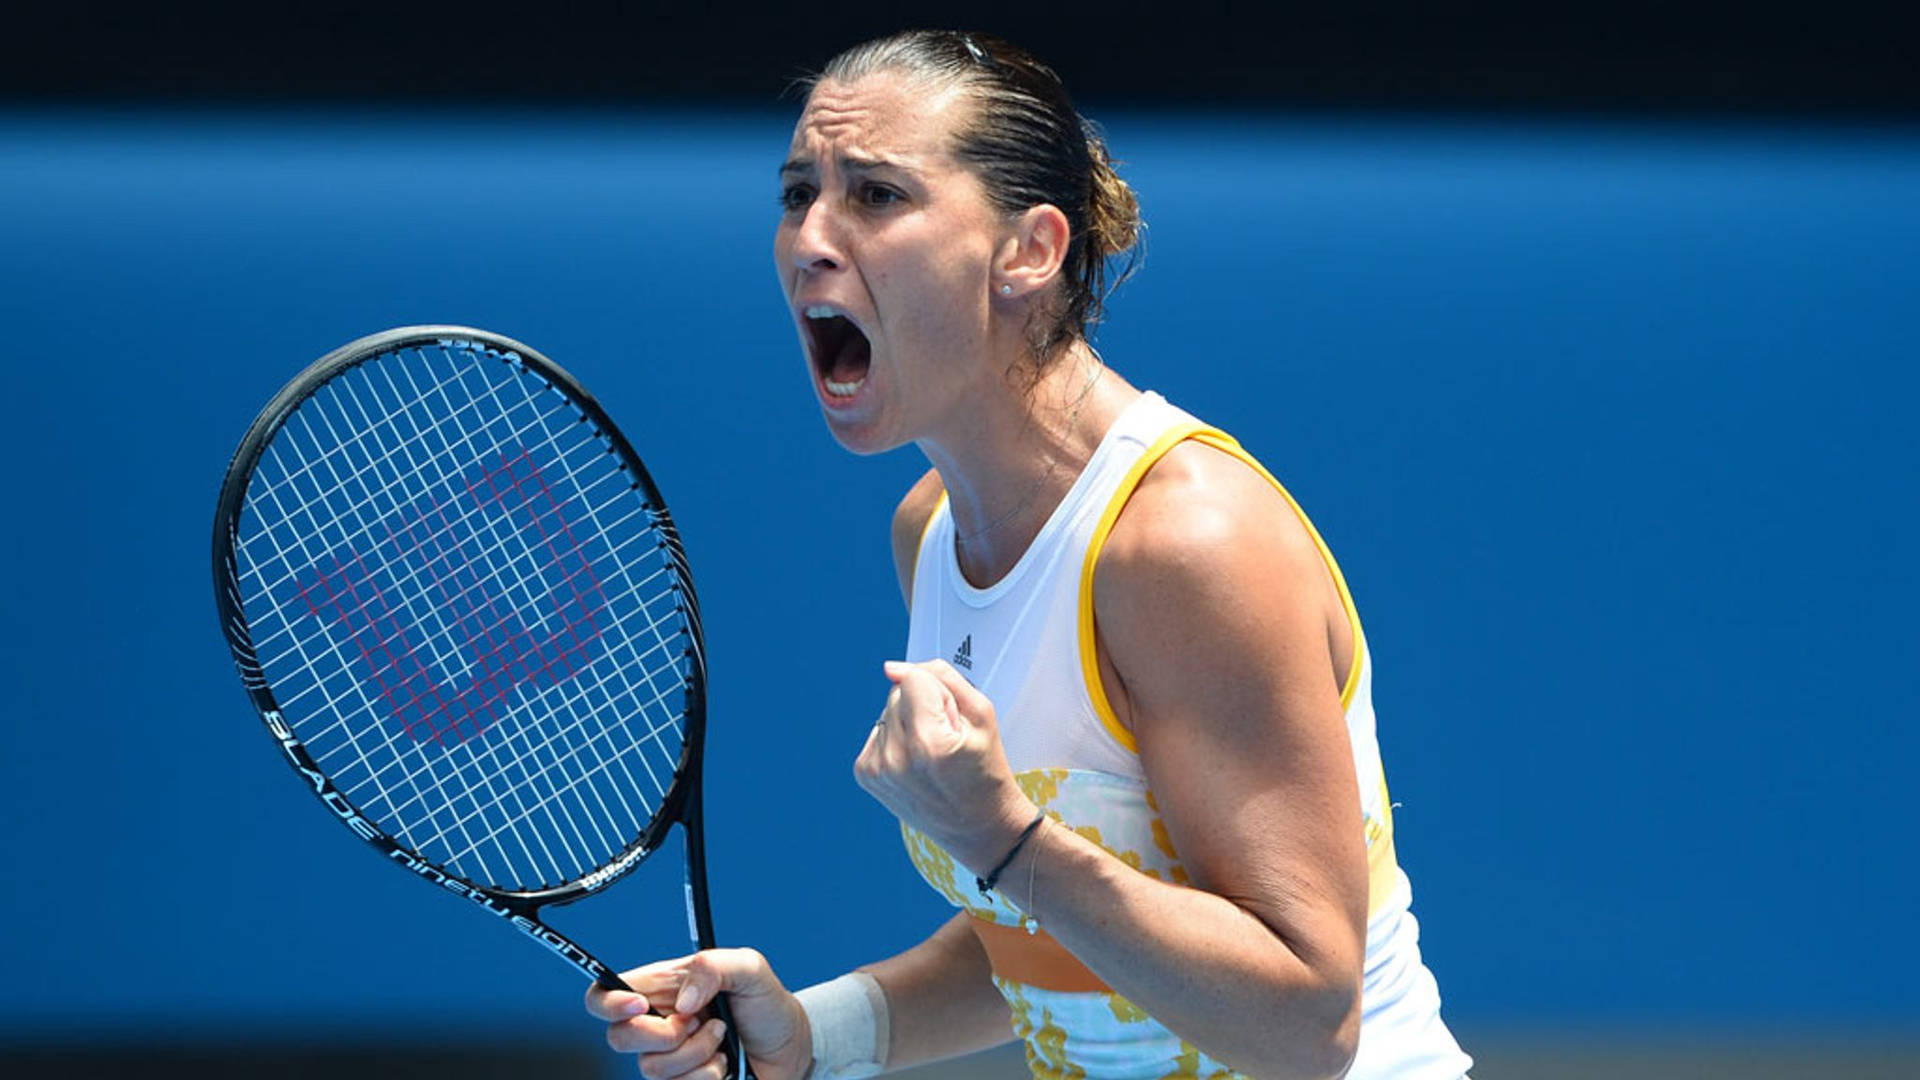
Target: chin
<point>864,439</point>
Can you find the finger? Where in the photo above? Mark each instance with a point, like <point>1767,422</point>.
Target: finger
<point>742,972</point>
<point>972,703</point>
<point>610,1005</point>
<point>652,1034</point>
<point>657,982</point>
<point>714,1068</point>
<point>866,767</point>
<point>890,721</point>
<point>925,705</point>
<point>696,1051</point>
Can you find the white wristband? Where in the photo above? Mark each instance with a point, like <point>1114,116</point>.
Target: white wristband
<point>848,1016</point>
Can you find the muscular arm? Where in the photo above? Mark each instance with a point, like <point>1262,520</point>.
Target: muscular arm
<point>1220,624</point>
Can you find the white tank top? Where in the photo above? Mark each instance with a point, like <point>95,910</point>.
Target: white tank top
<point>1027,642</point>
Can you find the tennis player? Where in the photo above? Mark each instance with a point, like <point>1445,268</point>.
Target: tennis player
<point>1134,744</point>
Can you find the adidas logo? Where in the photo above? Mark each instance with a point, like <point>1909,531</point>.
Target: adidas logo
<point>963,656</point>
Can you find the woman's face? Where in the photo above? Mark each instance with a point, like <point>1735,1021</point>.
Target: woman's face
<point>885,253</point>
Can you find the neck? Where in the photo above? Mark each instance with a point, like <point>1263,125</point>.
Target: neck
<point>1012,460</point>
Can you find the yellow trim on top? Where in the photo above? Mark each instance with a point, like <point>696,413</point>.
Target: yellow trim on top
<point>920,546</point>
<point>1219,440</point>
<point>1089,654</point>
<point>927,527</point>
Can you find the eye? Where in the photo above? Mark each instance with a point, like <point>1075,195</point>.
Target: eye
<point>796,197</point>
<point>880,195</point>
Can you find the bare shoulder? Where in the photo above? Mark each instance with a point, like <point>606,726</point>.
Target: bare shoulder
<point>1200,512</point>
<point>910,523</point>
<point>1210,565</point>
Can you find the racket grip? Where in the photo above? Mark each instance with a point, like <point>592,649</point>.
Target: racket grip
<point>608,980</point>
<point>738,1067</point>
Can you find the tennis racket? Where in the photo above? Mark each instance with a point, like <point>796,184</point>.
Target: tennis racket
<point>456,598</point>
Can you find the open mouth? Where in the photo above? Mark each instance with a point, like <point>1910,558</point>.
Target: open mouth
<point>840,350</point>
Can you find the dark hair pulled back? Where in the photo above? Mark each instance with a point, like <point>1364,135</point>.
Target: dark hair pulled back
<point>1029,146</point>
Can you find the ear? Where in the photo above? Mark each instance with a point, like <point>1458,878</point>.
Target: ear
<point>1030,257</point>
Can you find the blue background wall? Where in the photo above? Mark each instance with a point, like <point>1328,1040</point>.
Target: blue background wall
<point>1610,426</point>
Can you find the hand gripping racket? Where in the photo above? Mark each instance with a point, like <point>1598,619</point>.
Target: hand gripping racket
<point>457,600</point>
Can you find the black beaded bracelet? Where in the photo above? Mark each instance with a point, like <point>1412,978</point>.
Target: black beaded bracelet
<point>986,883</point>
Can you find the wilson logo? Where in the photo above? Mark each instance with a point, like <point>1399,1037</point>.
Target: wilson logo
<point>601,877</point>
<point>490,581</point>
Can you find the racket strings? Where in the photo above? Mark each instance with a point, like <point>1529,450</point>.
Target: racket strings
<point>352,736</point>
<point>571,824</point>
<point>478,583</point>
<point>621,493</point>
<point>556,735</point>
<point>349,717</point>
<point>435,792</point>
<point>465,594</point>
<point>317,503</point>
<point>502,649</point>
<point>548,801</point>
<point>375,432</point>
<point>622,673</point>
<point>541,659</point>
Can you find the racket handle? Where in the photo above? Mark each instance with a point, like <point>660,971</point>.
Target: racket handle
<point>738,1067</point>
<point>607,980</point>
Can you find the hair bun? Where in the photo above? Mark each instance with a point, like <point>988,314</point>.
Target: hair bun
<point>1113,211</point>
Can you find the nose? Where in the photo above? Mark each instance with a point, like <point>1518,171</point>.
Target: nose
<point>814,244</point>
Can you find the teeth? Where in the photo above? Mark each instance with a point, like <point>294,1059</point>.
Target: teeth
<point>834,387</point>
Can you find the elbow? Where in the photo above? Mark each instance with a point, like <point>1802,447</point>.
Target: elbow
<point>1323,1046</point>
<point>1328,1051</point>
<point>1331,1004</point>
<point>1342,1043</point>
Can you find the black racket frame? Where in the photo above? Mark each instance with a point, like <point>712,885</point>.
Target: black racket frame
<point>682,803</point>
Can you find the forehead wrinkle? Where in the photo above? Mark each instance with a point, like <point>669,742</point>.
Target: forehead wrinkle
<point>859,161</point>
<point>879,107</point>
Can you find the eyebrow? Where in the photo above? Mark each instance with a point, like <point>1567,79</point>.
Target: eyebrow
<point>848,163</point>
